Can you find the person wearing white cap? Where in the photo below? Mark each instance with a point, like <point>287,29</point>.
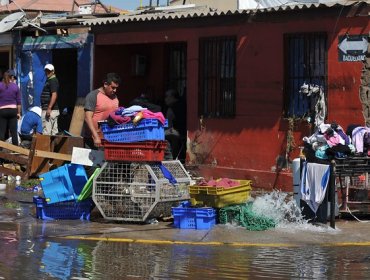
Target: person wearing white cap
<point>49,105</point>
<point>30,124</point>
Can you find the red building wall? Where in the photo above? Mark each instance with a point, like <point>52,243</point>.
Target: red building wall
<point>119,59</point>
<point>249,145</point>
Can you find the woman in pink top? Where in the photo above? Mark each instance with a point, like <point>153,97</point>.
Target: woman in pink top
<point>10,106</point>
<point>98,105</point>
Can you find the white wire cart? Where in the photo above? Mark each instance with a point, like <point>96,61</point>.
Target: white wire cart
<point>138,191</point>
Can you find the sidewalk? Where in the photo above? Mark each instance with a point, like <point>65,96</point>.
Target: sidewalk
<point>346,233</point>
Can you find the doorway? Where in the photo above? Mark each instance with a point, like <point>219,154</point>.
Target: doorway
<point>65,63</point>
<point>176,82</point>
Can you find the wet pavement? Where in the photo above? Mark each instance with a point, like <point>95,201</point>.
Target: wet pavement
<point>17,207</point>
<point>100,249</point>
<point>347,233</point>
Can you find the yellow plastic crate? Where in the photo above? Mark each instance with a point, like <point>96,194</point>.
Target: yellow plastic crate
<point>218,197</point>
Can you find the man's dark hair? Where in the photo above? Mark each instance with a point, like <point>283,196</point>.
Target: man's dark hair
<point>112,77</point>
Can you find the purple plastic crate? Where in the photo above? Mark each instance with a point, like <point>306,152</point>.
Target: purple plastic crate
<point>67,210</point>
<point>194,218</point>
<point>145,130</point>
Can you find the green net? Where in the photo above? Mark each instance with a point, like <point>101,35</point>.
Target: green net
<point>243,215</point>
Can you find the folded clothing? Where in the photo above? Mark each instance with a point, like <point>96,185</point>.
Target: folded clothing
<point>223,182</point>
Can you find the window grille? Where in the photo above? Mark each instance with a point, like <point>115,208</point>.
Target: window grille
<point>305,62</point>
<point>217,77</point>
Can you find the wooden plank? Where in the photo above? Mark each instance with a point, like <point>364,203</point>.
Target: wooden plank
<point>14,148</point>
<point>9,171</point>
<point>20,159</point>
<point>64,145</point>
<point>53,155</point>
<point>78,117</point>
<point>29,172</point>
<point>52,151</point>
<point>46,151</point>
<point>40,164</point>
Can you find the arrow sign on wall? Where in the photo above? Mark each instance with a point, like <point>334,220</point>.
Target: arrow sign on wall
<point>359,45</point>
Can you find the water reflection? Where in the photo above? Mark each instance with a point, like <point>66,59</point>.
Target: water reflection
<point>27,251</point>
<point>62,261</point>
<point>219,262</point>
<point>22,257</point>
<point>304,263</point>
<point>8,244</point>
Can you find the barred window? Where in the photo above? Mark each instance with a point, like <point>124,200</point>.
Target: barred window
<point>217,77</point>
<point>305,62</point>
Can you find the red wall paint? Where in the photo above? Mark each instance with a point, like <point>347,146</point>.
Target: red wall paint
<point>249,145</point>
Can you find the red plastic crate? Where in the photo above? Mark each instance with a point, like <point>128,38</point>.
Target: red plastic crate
<point>139,151</point>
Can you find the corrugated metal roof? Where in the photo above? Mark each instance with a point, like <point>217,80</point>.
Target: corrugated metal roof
<point>197,12</point>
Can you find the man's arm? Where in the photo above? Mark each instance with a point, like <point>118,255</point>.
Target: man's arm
<point>54,87</point>
<point>39,126</point>
<point>90,123</point>
<point>53,99</point>
<point>19,111</point>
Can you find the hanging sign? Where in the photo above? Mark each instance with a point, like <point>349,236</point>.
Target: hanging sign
<point>352,48</point>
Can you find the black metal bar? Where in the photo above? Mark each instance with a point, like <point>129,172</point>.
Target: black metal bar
<point>332,194</point>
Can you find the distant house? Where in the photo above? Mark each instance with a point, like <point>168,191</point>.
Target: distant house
<point>33,7</point>
<point>245,4</point>
<point>240,72</point>
<point>50,32</point>
<point>214,4</point>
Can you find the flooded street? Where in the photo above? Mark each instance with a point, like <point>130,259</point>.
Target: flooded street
<point>36,249</point>
<point>70,259</point>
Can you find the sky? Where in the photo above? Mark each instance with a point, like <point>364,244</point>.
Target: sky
<point>130,4</point>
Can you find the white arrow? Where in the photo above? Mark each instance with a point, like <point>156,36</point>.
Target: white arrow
<point>346,45</point>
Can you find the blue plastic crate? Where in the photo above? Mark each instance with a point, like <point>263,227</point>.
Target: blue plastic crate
<point>194,218</point>
<point>145,130</point>
<point>67,210</point>
<point>64,183</point>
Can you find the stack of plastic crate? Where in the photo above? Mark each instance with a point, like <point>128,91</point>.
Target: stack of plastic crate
<point>61,188</point>
<point>143,141</point>
<point>205,202</point>
<point>135,184</point>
